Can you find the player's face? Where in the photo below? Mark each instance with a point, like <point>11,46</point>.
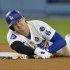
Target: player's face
<point>21,26</point>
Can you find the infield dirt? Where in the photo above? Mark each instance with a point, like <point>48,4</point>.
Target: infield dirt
<point>57,63</point>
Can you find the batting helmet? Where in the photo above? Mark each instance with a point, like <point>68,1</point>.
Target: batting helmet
<point>12,17</point>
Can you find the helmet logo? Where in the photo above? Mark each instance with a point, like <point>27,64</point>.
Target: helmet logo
<point>11,17</point>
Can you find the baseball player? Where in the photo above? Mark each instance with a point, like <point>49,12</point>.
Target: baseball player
<point>31,37</point>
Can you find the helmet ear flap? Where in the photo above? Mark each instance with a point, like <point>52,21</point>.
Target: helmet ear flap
<point>11,27</point>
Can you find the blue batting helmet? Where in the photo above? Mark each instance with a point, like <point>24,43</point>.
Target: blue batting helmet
<point>12,17</point>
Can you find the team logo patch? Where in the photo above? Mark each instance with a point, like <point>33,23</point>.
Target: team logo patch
<point>36,39</point>
<point>42,28</point>
<point>13,36</point>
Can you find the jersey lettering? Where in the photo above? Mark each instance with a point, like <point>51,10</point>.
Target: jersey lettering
<point>48,32</point>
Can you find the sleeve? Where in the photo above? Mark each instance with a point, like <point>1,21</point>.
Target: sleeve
<point>21,48</point>
<point>45,30</point>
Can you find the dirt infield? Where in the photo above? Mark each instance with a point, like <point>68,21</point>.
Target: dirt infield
<point>58,63</point>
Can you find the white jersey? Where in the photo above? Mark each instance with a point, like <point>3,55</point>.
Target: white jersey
<point>40,33</point>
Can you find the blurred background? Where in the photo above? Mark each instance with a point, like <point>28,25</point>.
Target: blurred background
<point>55,12</point>
<point>37,8</point>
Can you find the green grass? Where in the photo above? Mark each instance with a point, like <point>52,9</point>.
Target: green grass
<point>60,25</point>
<point>3,31</point>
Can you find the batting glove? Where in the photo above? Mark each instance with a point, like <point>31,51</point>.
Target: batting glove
<point>42,53</point>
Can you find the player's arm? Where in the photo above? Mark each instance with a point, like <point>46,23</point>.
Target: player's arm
<point>58,43</point>
<point>21,48</point>
<point>50,34</point>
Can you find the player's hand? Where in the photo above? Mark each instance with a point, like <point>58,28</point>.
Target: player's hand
<point>42,53</point>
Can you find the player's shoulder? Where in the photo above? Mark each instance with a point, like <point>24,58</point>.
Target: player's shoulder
<point>10,32</point>
<point>36,22</point>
